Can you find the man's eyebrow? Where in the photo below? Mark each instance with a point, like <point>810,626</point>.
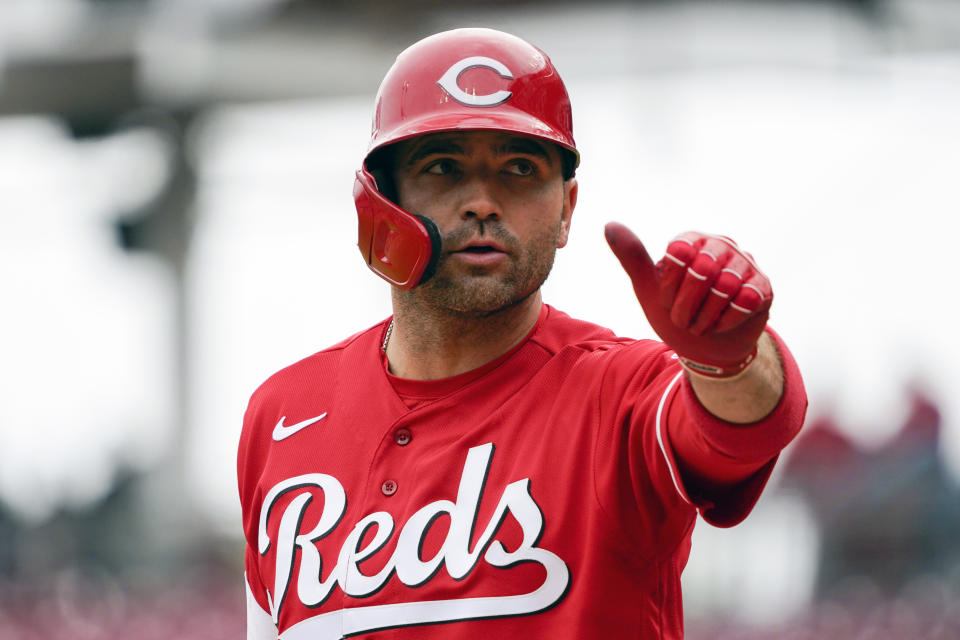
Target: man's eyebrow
<point>526,147</point>
<point>448,146</point>
<point>430,147</point>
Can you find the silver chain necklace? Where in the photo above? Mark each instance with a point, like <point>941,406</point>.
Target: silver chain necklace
<point>386,337</point>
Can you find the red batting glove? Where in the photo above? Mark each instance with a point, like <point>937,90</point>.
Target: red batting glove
<point>706,299</point>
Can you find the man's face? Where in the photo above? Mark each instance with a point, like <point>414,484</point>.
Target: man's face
<point>502,208</point>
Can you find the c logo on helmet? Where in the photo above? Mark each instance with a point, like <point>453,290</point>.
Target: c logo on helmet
<point>448,82</point>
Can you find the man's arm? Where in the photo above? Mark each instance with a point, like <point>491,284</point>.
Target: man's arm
<point>709,302</point>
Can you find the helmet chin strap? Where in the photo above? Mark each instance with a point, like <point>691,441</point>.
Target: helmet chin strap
<point>400,247</point>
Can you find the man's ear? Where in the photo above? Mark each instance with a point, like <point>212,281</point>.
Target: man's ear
<point>570,190</point>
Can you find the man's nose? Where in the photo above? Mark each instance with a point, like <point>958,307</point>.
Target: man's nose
<point>479,200</point>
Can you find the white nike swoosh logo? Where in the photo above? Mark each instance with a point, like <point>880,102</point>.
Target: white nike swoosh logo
<point>280,431</point>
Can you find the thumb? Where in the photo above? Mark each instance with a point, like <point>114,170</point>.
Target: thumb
<point>635,261</point>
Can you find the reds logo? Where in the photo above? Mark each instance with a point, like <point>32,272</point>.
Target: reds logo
<point>456,555</point>
<point>448,82</point>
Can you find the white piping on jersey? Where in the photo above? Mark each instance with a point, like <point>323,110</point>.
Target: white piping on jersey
<point>660,427</point>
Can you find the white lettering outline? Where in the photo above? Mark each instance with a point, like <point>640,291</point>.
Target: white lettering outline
<point>413,572</point>
<point>335,504</point>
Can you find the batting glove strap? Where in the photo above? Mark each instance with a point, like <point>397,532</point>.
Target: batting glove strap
<point>718,371</point>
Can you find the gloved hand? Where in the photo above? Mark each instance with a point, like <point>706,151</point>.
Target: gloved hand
<point>706,299</point>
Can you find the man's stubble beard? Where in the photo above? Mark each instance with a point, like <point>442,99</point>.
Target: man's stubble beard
<point>472,293</point>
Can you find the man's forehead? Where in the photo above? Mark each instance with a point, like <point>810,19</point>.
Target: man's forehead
<point>465,142</point>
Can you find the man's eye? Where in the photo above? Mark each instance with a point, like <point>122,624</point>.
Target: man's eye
<point>522,168</point>
<point>440,167</point>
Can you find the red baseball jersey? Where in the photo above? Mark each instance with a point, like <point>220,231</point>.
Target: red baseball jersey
<point>538,496</point>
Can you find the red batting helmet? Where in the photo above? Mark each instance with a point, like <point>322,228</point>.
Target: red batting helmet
<point>460,80</point>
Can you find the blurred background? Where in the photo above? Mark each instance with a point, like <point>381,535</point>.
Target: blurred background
<point>176,223</point>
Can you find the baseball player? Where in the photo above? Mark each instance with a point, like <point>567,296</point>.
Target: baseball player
<point>481,465</point>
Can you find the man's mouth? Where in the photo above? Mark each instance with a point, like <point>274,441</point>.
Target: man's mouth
<point>480,246</point>
<point>480,254</point>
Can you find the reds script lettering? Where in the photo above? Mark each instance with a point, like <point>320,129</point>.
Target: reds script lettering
<point>455,554</point>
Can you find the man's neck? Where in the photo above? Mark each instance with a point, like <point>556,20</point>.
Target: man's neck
<point>427,345</point>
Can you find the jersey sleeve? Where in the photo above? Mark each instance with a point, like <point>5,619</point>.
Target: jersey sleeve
<point>632,476</point>
<point>645,405</point>
<point>720,467</point>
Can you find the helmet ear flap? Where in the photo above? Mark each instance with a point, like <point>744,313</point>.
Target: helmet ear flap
<point>435,244</point>
<point>398,246</point>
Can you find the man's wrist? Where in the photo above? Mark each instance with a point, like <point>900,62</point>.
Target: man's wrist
<point>748,396</point>
<point>717,371</point>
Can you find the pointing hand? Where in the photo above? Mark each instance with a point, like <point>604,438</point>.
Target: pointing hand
<point>706,299</point>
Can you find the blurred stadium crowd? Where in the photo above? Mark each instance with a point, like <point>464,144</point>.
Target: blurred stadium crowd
<point>889,562</point>
<point>74,607</point>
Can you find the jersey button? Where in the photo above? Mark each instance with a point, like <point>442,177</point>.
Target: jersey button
<point>402,436</point>
<point>389,487</point>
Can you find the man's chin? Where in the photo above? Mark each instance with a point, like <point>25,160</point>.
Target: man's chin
<point>478,296</point>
